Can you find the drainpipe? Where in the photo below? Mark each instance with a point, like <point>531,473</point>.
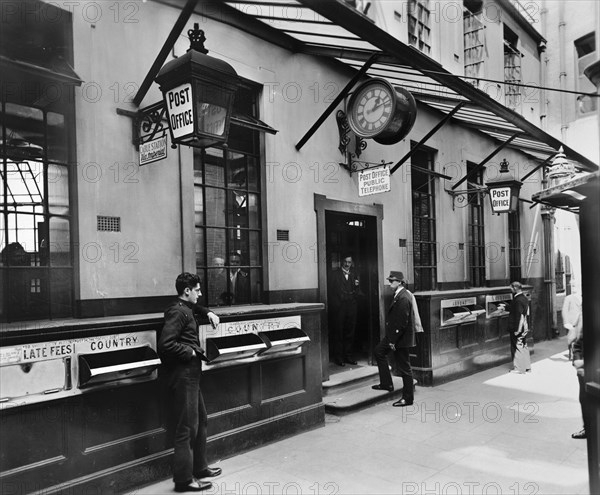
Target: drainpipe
<point>564,126</point>
<point>549,289</point>
<point>543,67</point>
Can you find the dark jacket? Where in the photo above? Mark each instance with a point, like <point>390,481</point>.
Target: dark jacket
<point>399,327</point>
<point>343,291</point>
<point>179,335</point>
<point>518,307</point>
<point>577,348</point>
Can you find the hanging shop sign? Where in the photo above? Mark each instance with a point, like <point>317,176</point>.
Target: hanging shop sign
<point>198,92</point>
<point>374,181</point>
<point>154,150</point>
<point>382,112</point>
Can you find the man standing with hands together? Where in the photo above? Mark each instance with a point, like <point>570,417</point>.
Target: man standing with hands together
<point>181,354</point>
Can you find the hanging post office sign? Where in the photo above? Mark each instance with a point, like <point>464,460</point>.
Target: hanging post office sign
<point>374,181</point>
<point>180,108</point>
<point>500,199</point>
<point>154,150</point>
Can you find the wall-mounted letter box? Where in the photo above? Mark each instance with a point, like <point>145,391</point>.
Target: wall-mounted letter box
<point>42,371</point>
<point>102,367</point>
<point>219,349</point>
<point>497,305</point>
<point>456,311</point>
<point>284,339</point>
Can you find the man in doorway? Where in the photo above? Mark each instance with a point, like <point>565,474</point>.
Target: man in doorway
<point>399,338</point>
<point>180,352</point>
<point>343,302</point>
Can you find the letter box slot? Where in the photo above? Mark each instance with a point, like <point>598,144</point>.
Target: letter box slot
<point>454,315</point>
<point>284,339</point>
<point>32,378</point>
<point>457,311</point>
<point>102,367</point>
<point>219,349</point>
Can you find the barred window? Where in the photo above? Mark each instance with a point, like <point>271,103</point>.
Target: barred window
<point>514,245</point>
<point>476,259</point>
<point>424,222</point>
<point>419,29</point>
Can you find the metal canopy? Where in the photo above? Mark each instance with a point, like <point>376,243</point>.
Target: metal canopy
<point>571,194</point>
<point>336,30</point>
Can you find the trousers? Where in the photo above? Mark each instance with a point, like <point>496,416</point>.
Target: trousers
<point>189,418</point>
<point>344,329</point>
<point>403,367</point>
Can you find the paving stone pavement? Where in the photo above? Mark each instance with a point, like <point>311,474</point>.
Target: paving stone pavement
<point>490,433</point>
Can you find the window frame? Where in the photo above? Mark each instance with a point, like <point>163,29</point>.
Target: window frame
<point>252,257</point>
<point>422,161</point>
<point>476,230</point>
<point>515,266</point>
<point>416,9</point>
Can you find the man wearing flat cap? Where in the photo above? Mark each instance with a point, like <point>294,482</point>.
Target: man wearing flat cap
<point>399,338</point>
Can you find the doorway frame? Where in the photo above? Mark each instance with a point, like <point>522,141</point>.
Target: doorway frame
<point>322,205</point>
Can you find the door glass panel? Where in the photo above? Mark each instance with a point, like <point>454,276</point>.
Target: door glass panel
<point>215,206</point>
<point>57,138</point>
<point>58,189</point>
<point>60,242</point>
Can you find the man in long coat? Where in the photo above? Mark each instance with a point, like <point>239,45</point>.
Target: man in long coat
<point>399,338</point>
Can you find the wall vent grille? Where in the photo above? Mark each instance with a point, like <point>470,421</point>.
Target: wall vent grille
<point>108,224</point>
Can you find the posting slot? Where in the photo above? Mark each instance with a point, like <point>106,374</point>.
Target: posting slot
<point>103,367</point>
<point>219,349</point>
<point>284,339</point>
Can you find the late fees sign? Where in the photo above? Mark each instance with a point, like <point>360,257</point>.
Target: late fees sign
<point>180,108</point>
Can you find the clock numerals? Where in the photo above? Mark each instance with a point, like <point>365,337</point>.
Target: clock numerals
<point>372,109</point>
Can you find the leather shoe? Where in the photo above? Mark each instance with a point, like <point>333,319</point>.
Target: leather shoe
<point>381,387</point>
<point>350,361</point>
<point>193,486</point>
<point>402,403</point>
<point>210,472</point>
<point>579,435</point>
<point>339,362</point>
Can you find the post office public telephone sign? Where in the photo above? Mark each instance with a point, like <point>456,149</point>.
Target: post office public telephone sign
<point>374,181</point>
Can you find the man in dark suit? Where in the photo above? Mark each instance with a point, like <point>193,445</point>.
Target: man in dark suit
<point>181,354</point>
<point>342,303</point>
<point>519,328</point>
<point>399,338</point>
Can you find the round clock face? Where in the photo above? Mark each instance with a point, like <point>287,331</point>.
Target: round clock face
<point>371,108</point>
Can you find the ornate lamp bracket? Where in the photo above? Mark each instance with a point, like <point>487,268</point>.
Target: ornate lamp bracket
<point>460,198</point>
<point>147,123</point>
<point>350,141</point>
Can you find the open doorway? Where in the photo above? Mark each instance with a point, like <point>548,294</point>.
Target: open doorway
<point>349,234</point>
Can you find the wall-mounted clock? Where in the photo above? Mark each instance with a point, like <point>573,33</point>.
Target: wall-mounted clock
<point>377,110</point>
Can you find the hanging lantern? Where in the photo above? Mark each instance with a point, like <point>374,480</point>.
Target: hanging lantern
<point>198,91</point>
<point>504,192</point>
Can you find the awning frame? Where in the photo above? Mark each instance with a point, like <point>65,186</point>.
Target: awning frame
<point>426,78</point>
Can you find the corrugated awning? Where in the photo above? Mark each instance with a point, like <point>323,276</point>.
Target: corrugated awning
<point>334,29</point>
